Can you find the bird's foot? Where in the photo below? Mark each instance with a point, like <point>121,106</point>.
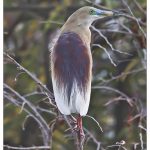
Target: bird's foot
<point>76,125</point>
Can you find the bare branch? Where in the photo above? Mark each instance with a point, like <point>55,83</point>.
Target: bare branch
<point>93,138</point>
<point>137,21</point>
<point>124,27</point>
<point>37,116</point>
<point>118,31</point>
<point>50,94</point>
<point>105,38</point>
<point>34,93</point>
<point>18,75</point>
<point>135,117</point>
<point>139,6</point>
<point>141,140</point>
<point>141,127</point>
<point>95,121</point>
<point>123,74</point>
<point>26,148</point>
<point>128,99</point>
<point>22,107</point>
<point>131,18</point>
<point>25,120</point>
<point>45,110</point>
<point>119,145</point>
<point>12,100</point>
<point>135,146</point>
<point>115,100</point>
<point>98,45</point>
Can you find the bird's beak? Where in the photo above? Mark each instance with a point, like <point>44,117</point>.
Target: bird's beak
<point>105,13</point>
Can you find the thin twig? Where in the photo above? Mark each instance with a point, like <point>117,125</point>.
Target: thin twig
<point>95,121</point>
<point>120,98</point>
<point>98,143</point>
<point>118,31</point>
<point>119,145</point>
<point>135,146</point>
<point>44,126</point>
<point>34,93</point>
<point>139,7</point>
<point>105,38</point>
<point>128,99</point>
<point>25,120</point>
<point>49,93</point>
<point>12,100</point>
<point>141,127</point>
<point>27,148</point>
<point>132,18</point>
<point>123,74</point>
<point>18,75</point>
<point>46,110</point>
<point>137,21</point>
<point>111,60</point>
<point>141,140</point>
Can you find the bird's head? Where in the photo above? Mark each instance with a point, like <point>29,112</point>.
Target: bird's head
<point>86,15</point>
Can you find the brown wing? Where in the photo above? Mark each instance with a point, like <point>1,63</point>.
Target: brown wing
<point>71,63</point>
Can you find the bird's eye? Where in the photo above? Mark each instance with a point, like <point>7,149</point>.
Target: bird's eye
<point>92,12</point>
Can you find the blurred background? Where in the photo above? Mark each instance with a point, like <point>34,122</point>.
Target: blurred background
<point>118,98</point>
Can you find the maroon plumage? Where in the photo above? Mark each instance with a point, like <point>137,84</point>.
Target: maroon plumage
<point>71,63</point>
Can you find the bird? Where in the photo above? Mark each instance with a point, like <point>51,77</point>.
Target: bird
<point>71,63</point>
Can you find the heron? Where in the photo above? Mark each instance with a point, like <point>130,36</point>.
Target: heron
<point>71,63</point>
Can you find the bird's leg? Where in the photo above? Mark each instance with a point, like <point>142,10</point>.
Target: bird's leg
<point>76,124</point>
<point>79,126</point>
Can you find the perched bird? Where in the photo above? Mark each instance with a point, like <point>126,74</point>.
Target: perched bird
<point>71,62</point>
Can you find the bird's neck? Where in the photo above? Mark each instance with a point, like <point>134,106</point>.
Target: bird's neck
<point>80,29</point>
